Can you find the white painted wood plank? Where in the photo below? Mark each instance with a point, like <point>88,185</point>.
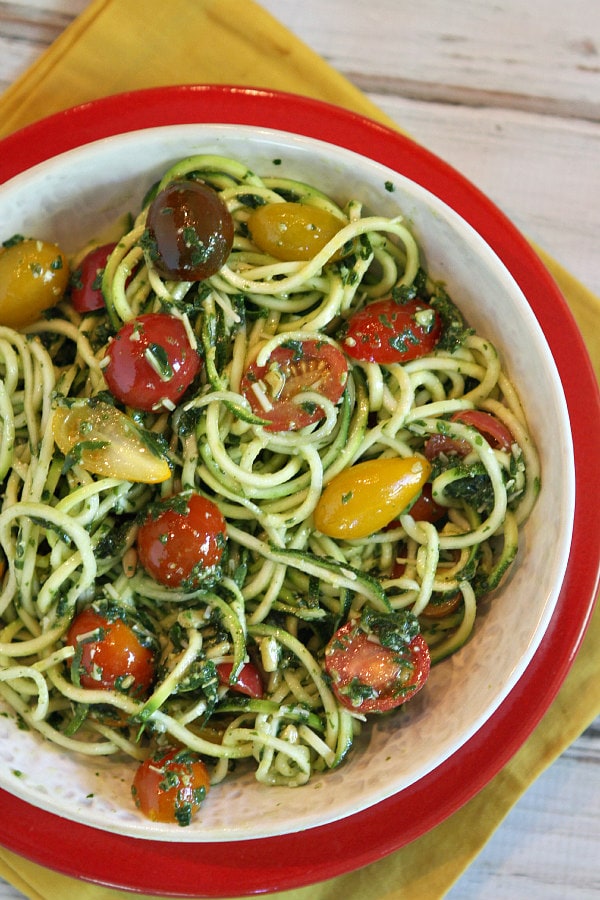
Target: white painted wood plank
<point>543,850</point>
<point>27,28</point>
<point>542,171</point>
<point>543,55</point>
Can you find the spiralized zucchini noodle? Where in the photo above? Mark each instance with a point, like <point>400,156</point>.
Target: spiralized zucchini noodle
<point>283,588</point>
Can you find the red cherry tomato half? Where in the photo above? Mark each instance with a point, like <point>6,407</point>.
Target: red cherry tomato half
<point>424,509</point>
<point>151,362</point>
<point>271,389</point>
<point>181,539</point>
<point>493,430</point>
<point>388,332</point>
<point>190,231</point>
<point>368,677</point>
<point>171,786</point>
<point>86,280</point>
<point>248,681</point>
<point>110,655</point>
<point>439,444</point>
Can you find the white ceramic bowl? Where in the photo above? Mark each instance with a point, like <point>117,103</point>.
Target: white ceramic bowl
<point>68,199</point>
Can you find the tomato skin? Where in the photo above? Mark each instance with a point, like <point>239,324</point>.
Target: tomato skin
<point>133,379</point>
<point>493,430</point>
<point>33,277</point>
<point>367,496</point>
<point>353,658</point>
<point>425,509</point>
<point>115,654</point>
<point>388,332</point>
<point>86,291</point>
<point>292,231</point>
<point>248,682</point>
<point>170,786</point>
<point>176,545</point>
<point>190,231</point>
<point>317,366</point>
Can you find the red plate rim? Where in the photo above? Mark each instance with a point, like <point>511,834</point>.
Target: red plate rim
<point>292,861</point>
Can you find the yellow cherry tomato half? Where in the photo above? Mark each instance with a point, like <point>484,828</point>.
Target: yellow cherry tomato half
<point>33,277</point>
<point>107,442</point>
<point>292,231</point>
<point>366,497</point>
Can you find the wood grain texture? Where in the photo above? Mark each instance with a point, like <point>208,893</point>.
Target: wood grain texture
<point>509,93</point>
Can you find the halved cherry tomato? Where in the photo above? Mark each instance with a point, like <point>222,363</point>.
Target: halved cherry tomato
<point>110,655</point>
<point>86,280</point>
<point>437,609</point>
<point>292,231</point>
<point>151,362</point>
<point>493,430</point>
<point>248,681</point>
<point>190,231</point>
<point>33,277</point>
<point>315,366</point>
<point>170,786</point>
<point>425,509</point>
<point>366,497</point>
<point>388,332</point>
<point>180,539</point>
<point>439,444</point>
<point>368,677</point>
<point>105,441</point>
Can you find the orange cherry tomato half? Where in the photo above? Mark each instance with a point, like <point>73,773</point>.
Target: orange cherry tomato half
<point>292,231</point>
<point>367,496</point>
<point>389,332</point>
<point>170,786</point>
<point>368,677</point>
<point>493,430</point>
<point>180,539</point>
<point>272,389</point>
<point>248,681</point>
<point>151,362</point>
<point>445,606</point>
<point>110,655</point>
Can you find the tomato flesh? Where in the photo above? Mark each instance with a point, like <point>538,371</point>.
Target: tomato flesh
<point>272,389</point>
<point>367,496</point>
<point>86,280</point>
<point>292,231</point>
<point>110,655</point>
<point>181,539</point>
<point>368,677</point>
<point>151,362</point>
<point>248,681</point>
<point>33,277</point>
<point>105,441</point>
<point>189,231</point>
<point>171,786</point>
<point>388,332</point>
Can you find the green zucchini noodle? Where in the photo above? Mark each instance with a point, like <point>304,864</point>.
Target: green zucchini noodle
<point>283,588</point>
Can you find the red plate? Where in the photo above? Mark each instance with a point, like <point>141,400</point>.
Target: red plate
<point>280,863</point>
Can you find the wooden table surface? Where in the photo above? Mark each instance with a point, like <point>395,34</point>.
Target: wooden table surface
<point>509,93</point>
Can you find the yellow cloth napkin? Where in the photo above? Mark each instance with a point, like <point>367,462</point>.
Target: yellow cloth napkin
<point>237,42</point>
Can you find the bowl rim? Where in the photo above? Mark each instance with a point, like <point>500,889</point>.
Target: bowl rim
<point>190,102</point>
